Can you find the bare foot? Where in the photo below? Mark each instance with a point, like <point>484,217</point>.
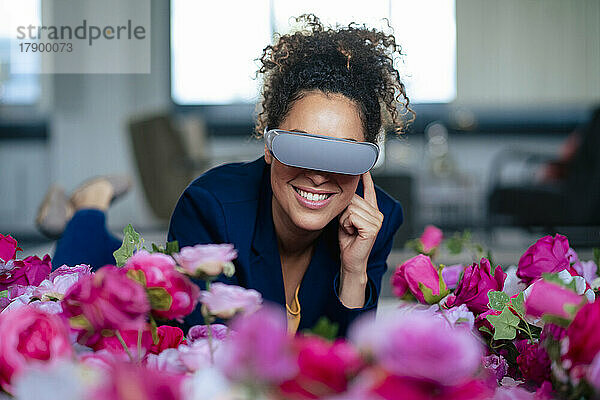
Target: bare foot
<point>96,194</point>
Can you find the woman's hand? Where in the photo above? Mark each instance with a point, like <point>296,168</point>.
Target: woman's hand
<point>359,225</point>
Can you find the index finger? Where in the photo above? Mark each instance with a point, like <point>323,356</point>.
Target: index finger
<point>369,189</point>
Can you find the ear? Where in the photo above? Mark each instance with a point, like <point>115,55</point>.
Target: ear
<point>268,156</point>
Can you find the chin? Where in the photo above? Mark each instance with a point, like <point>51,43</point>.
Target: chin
<point>311,222</point>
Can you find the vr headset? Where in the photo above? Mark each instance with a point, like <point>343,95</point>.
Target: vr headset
<point>322,153</point>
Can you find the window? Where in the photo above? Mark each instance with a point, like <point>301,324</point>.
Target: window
<point>214,44</point>
<point>19,76</point>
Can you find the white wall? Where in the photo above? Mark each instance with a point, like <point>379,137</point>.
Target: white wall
<point>528,52</point>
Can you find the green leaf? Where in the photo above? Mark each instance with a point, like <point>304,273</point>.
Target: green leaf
<point>153,329</point>
<point>498,300</point>
<point>455,244</point>
<point>518,304</point>
<point>3,293</point>
<point>131,242</point>
<point>160,299</point>
<point>596,252</point>
<point>431,298</point>
<point>505,325</point>
<point>137,275</point>
<point>156,249</point>
<point>485,329</point>
<point>172,247</point>
<point>554,278</point>
<point>324,328</point>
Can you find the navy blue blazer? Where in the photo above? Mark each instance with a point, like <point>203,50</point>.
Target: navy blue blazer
<point>232,204</point>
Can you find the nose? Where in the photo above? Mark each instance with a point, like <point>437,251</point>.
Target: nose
<point>317,177</point>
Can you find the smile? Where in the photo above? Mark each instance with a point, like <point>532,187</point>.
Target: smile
<point>312,200</point>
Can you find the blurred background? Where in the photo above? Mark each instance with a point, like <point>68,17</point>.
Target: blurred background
<point>505,143</point>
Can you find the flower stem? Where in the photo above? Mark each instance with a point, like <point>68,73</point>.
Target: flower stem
<point>210,338</point>
<point>139,346</point>
<point>118,334</point>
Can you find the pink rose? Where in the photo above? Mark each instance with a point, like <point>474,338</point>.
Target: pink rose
<point>405,344</point>
<point>28,336</point>
<point>415,271</point>
<point>547,255</point>
<point>388,387</point>
<point>431,238</point>
<point>261,350</point>
<point>548,298</point>
<point>584,340</point>
<point>131,381</point>
<point>80,270</point>
<point>106,300</point>
<point>30,271</point>
<point>224,301</point>
<point>207,260</point>
<point>475,284</point>
<point>197,355</point>
<point>8,248</point>
<point>172,295</point>
<point>325,368</point>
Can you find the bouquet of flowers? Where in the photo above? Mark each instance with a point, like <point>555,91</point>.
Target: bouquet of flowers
<point>474,332</point>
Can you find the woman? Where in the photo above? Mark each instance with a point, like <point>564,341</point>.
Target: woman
<point>315,241</point>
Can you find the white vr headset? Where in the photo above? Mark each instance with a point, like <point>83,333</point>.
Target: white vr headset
<point>322,153</point>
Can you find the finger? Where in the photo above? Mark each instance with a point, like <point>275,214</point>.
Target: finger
<point>346,224</point>
<point>369,189</point>
<point>367,212</point>
<point>353,221</point>
<point>358,201</point>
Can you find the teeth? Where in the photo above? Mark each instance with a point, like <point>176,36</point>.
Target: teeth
<point>312,196</point>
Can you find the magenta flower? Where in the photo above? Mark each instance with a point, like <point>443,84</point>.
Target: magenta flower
<point>29,335</point>
<point>416,271</point>
<point>325,368</point>
<point>408,344</point>
<point>207,260</point>
<point>547,255</point>
<point>106,300</point>
<point>548,298</point>
<point>172,295</point>
<point>533,362</point>
<point>593,373</point>
<point>261,350</point>
<point>224,301</point>
<point>475,284</point>
<point>497,365</point>
<point>582,334</point>
<point>8,248</point>
<point>431,238</point>
<point>30,271</point>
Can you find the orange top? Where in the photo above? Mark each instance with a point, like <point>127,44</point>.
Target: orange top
<point>293,312</point>
<point>293,316</point>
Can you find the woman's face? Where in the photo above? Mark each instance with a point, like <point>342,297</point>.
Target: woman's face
<point>311,199</point>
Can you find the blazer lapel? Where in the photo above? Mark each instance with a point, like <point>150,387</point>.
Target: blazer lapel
<point>265,264</point>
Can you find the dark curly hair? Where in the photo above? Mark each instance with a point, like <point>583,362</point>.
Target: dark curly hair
<point>353,61</point>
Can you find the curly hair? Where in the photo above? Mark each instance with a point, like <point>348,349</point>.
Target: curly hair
<point>353,61</point>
